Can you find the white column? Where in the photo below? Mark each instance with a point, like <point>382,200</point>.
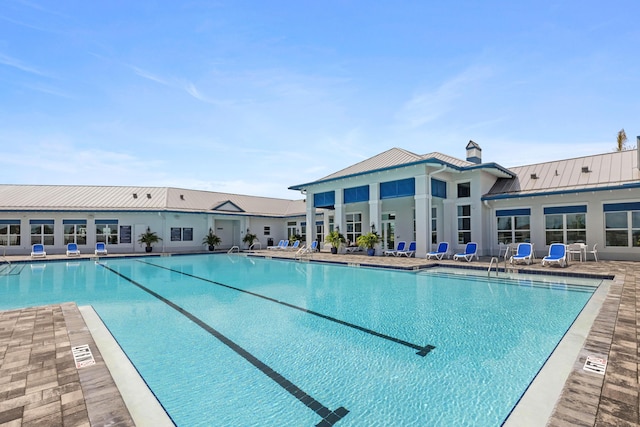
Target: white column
<point>421,202</point>
<point>338,220</point>
<point>311,220</point>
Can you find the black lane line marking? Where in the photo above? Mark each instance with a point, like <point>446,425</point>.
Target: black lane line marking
<point>329,417</point>
<point>422,350</point>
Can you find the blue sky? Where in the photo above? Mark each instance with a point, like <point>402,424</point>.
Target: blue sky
<point>252,97</point>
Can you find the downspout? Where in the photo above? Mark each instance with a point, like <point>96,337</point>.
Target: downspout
<point>429,219</point>
<point>491,221</point>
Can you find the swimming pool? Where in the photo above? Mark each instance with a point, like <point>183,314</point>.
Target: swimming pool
<point>235,340</point>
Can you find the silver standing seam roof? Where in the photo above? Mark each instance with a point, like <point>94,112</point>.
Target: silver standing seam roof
<point>138,199</point>
<point>590,173</point>
<point>397,158</point>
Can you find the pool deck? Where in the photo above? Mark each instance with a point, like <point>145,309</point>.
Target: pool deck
<point>41,386</point>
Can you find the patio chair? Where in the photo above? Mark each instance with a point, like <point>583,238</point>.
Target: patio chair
<point>593,252</point>
<point>280,243</point>
<point>399,247</point>
<point>409,252</point>
<point>101,248</point>
<point>524,253</point>
<point>470,251</point>
<point>557,255</point>
<point>37,251</point>
<point>72,249</point>
<point>443,249</point>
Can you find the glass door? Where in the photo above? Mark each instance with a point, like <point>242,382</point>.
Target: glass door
<point>388,231</point>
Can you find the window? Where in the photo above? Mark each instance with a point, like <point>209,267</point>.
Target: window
<point>10,232</point>
<point>434,226</point>
<point>354,226</point>
<point>75,231</point>
<point>319,231</point>
<point>464,224</point>
<point>464,189</point>
<point>107,231</point>
<point>514,225</point>
<point>331,224</point>
<point>565,224</point>
<point>181,234</point>
<point>291,229</point>
<point>42,231</point>
<point>303,231</point>
<point>622,224</point>
<point>267,230</point>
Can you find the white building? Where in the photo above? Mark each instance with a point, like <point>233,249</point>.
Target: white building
<point>434,197</point>
<point>401,195</point>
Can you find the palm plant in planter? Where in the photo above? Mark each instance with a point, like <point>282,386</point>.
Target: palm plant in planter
<point>211,240</point>
<point>369,241</point>
<point>335,238</point>
<point>249,238</point>
<point>148,238</point>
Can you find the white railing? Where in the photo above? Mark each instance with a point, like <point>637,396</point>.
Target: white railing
<point>237,249</point>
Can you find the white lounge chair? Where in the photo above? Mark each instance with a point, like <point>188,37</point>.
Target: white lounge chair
<point>470,251</point>
<point>443,249</point>
<point>101,248</point>
<point>557,255</point>
<point>399,247</point>
<point>37,251</point>
<point>72,249</point>
<point>524,254</point>
<point>408,252</point>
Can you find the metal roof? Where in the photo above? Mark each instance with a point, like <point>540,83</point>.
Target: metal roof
<point>397,157</point>
<point>598,172</point>
<point>106,198</point>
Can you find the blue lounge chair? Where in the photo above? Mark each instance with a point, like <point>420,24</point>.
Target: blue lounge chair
<point>409,252</point>
<point>443,249</point>
<point>72,249</point>
<point>101,248</point>
<point>294,246</point>
<point>524,254</point>
<point>37,251</point>
<point>557,255</point>
<point>470,251</point>
<point>280,243</point>
<point>285,245</point>
<point>400,247</point>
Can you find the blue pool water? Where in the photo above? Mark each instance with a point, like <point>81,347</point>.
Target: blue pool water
<point>234,340</point>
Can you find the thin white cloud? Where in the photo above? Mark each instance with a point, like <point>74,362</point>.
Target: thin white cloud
<point>149,76</point>
<point>17,64</point>
<point>425,107</point>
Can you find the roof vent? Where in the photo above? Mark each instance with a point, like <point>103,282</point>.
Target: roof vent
<point>534,176</point>
<point>474,153</point>
<point>585,169</point>
<point>135,195</point>
<point>148,195</point>
<point>182,197</point>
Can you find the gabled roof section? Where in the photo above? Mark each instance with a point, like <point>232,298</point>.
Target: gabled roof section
<point>154,199</point>
<point>227,206</point>
<point>599,172</point>
<point>397,158</point>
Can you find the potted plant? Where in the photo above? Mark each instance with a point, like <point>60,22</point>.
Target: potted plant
<point>249,238</point>
<point>148,238</point>
<point>211,240</point>
<point>335,238</point>
<point>369,241</point>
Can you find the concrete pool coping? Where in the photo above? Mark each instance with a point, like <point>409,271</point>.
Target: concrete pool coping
<point>142,404</point>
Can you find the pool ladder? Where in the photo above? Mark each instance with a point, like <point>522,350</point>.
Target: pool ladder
<point>497,262</point>
<point>236,248</point>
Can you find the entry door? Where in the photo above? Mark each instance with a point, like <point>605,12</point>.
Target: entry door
<point>388,231</point>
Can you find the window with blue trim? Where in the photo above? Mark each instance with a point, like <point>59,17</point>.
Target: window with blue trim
<point>107,231</point>
<point>42,231</point>
<point>514,225</point>
<point>400,188</point>
<point>10,232</point>
<point>356,194</point>
<point>622,224</point>
<point>75,231</point>
<point>324,200</point>
<point>566,224</point>
<point>438,188</point>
